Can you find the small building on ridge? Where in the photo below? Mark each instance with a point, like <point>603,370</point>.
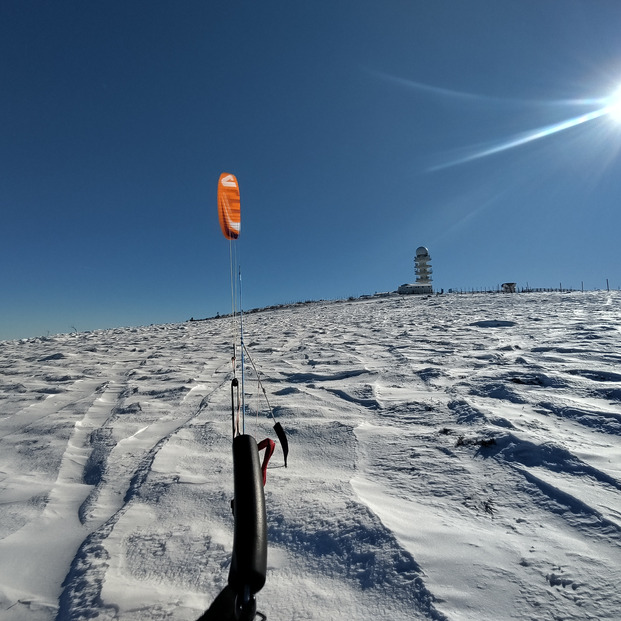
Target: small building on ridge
<point>415,288</point>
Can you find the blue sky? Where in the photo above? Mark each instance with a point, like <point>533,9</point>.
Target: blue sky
<point>358,130</point>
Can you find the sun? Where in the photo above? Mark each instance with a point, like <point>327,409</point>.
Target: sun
<point>613,107</point>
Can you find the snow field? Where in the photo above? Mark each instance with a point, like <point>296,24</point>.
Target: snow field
<point>454,457</point>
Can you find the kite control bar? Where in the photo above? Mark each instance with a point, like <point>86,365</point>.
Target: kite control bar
<point>249,562</point>
<point>248,571</point>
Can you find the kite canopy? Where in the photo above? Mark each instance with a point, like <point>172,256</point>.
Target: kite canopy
<point>228,206</point>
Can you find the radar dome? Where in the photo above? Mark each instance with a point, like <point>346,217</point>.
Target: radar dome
<point>421,251</point>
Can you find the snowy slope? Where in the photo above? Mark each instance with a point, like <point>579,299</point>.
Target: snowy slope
<point>456,457</point>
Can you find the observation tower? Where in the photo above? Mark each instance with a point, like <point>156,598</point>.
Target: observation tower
<point>422,269</point>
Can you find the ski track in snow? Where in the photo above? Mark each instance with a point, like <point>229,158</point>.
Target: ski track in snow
<point>452,457</point>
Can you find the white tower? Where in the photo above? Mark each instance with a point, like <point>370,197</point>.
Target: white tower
<point>422,269</point>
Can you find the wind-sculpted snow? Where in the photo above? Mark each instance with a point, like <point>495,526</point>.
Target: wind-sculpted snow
<point>451,457</point>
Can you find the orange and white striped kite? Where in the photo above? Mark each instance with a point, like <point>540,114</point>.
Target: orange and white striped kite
<point>228,206</point>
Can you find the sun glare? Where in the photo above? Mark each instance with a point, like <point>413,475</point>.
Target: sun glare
<point>614,106</point>
<point>607,107</point>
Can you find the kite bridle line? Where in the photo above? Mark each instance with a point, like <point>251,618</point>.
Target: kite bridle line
<point>237,325</point>
<point>280,432</point>
<point>260,383</point>
<point>242,348</point>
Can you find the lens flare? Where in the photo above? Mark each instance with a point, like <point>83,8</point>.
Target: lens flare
<point>525,138</point>
<point>609,107</point>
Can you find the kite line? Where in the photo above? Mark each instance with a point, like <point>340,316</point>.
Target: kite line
<point>248,570</point>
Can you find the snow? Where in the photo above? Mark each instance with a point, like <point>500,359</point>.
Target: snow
<point>451,457</point>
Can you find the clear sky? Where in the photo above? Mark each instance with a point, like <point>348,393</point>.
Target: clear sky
<point>358,130</point>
